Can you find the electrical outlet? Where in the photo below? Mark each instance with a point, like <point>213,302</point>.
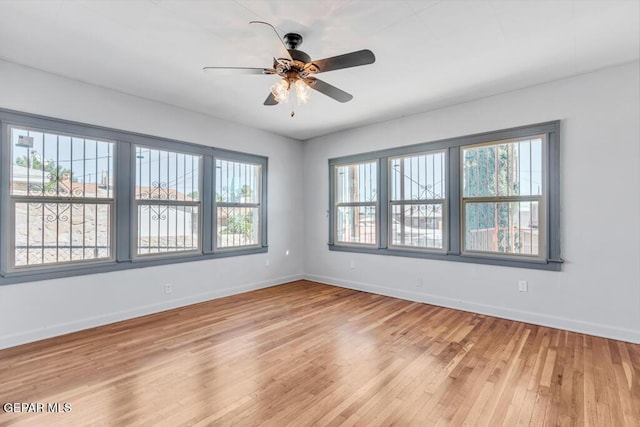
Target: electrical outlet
<point>419,282</point>
<point>352,264</point>
<point>168,288</point>
<point>523,286</point>
<point>267,263</point>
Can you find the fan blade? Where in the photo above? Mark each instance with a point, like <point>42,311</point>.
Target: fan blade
<point>353,59</point>
<point>238,70</point>
<point>269,30</point>
<point>329,90</point>
<point>271,100</point>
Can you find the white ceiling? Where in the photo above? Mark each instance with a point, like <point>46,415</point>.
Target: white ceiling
<point>429,53</point>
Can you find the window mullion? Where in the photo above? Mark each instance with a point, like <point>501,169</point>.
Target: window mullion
<point>5,207</point>
<point>553,197</point>
<point>263,203</point>
<point>238,205</point>
<point>418,202</point>
<point>333,206</point>
<point>383,203</point>
<point>124,184</point>
<point>401,196</point>
<point>356,204</point>
<point>503,199</point>
<point>454,192</point>
<point>207,224</point>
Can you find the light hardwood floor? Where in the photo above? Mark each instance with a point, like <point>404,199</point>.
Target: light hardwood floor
<point>305,353</point>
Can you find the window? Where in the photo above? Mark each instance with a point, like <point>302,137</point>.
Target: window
<point>356,203</point>
<point>78,199</point>
<point>417,200</point>
<point>61,197</point>
<point>238,204</point>
<point>167,199</point>
<point>490,198</point>
<point>502,197</point>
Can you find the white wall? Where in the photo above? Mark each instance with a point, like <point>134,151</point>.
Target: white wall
<point>597,292</point>
<point>598,289</point>
<point>31,311</point>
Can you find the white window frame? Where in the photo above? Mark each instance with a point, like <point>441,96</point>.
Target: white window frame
<point>375,204</point>
<point>549,236</point>
<point>403,202</point>
<point>56,200</point>
<point>258,205</point>
<point>137,203</point>
<point>123,206</point>
<point>541,200</point>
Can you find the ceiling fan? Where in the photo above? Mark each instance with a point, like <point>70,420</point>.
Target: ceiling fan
<point>297,69</point>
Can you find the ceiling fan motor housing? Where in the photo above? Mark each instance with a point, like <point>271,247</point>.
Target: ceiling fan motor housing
<point>300,56</point>
<point>300,62</point>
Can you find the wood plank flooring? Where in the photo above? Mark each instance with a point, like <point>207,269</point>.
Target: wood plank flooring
<point>310,354</point>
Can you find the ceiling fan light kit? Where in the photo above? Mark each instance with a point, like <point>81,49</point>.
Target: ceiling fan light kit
<point>296,69</point>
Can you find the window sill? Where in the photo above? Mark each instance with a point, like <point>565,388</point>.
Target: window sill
<point>550,265</point>
<point>40,274</point>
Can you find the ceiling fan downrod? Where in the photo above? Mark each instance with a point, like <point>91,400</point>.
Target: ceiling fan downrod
<point>292,40</point>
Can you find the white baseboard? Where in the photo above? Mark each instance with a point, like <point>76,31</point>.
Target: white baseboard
<point>589,328</point>
<point>518,315</point>
<point>91,322</point>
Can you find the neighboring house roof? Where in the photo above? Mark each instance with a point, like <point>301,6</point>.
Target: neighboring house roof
<point>26,175</point>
